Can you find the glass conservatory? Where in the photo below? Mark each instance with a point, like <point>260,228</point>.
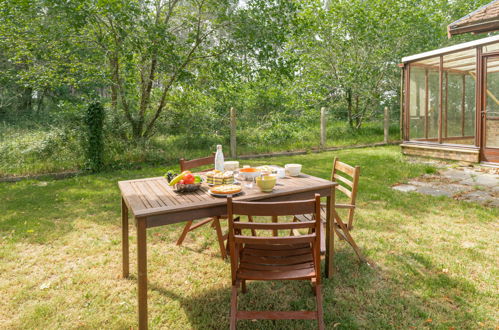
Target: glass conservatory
<point>451,102</point>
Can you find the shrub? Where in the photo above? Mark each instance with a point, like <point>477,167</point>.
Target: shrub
<point>94,120</point>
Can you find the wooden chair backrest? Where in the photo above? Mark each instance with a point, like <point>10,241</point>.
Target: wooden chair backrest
<point>251,209</point>
<point>348,182</point>
<point>193,163</point>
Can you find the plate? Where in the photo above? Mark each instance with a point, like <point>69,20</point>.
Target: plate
<point>225,195</point>
<point>228,191</point>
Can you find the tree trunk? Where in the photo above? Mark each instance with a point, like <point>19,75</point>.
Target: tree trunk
<point>39,103</point>
<point>27,100</point>
<point>113,64</point>
<point>349,107</point>
<point>357,113</point>
<point>118,92</point>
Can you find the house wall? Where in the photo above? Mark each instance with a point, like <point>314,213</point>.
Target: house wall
<point>455,153</point>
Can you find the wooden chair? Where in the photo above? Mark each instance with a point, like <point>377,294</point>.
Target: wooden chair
<point>275,257</point>
<point>348,186</point>
<point>190,226</point>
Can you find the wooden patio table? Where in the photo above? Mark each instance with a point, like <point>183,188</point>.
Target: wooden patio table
<point>153,203</point>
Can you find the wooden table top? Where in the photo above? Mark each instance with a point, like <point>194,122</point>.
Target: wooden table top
<point>153,196</point>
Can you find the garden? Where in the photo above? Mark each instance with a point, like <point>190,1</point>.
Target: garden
<point>107,106</point>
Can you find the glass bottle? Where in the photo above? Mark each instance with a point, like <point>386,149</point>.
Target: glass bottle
<point>219,159</point>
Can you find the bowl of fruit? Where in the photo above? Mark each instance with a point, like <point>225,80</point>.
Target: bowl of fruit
<point>183,182</point>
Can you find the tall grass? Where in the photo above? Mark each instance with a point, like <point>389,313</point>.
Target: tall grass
<point>46,148</point>
<point>40,150</point>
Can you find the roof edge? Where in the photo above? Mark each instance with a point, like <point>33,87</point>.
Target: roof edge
<point>472,13</point>
<point>482,27</point>
<point>450,49</point>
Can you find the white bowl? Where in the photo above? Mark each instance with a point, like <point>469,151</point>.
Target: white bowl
<point>293,169</point>
<point>249,176</point>
<point>231,165</point>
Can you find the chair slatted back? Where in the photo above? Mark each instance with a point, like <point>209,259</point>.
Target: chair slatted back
<point>272,209</point>
<point>193,163</point>
<point>237,240</point>
<point>348,178</point>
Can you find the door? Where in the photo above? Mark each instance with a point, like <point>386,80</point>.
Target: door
<point>490,110</point>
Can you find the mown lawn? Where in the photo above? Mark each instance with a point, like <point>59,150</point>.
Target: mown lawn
<point>60,259</point>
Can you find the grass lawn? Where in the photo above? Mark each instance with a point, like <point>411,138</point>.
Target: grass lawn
<point>60,258</point>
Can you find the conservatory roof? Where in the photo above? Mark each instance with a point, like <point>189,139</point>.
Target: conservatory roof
<point>451,49</point>
<point>484,19</point>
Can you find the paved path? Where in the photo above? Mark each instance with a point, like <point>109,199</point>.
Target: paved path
<point>473,183</point>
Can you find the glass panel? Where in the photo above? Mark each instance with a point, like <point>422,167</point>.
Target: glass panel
<point>433,104</point>
<point>423,103</point>
<point>459,109</point>
<point>463,61</point>
<point>491,48</point>
<point>470,111</point>
<point>416,103</point>
<point>492,104</point>
<point>458,95</point>
<point>434,61</point>
<point>458,126</point>
<point>492,64</point>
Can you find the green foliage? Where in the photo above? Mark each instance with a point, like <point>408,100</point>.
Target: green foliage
<point>94,120</point>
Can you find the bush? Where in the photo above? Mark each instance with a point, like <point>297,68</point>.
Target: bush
<point>94,120</point>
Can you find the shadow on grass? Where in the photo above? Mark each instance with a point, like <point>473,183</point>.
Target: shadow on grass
<point>358,297</point>
<point>40,211</point>
<point>211,308</point>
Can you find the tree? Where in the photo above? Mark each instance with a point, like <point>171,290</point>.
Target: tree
<point>44,54</point>
<point>140,49</point>
<point>149,46</point>
<point>352,48</point>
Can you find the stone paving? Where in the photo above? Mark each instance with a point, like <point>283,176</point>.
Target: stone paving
<point>472,183</point>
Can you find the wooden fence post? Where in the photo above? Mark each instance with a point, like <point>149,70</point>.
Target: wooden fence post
<point>233,153</point>
<point>402,100</point>
<point>323,128</point>
<point>386,125</point>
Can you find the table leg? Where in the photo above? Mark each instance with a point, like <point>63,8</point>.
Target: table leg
<point>142,272</point>
<point>124,239</point>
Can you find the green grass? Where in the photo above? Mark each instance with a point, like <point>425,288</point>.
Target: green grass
<point>436,259</point>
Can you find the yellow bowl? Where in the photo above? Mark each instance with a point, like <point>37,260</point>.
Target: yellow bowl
<point>266,183</point>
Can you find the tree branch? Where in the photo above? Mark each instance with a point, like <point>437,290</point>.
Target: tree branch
<point>199,39</point>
